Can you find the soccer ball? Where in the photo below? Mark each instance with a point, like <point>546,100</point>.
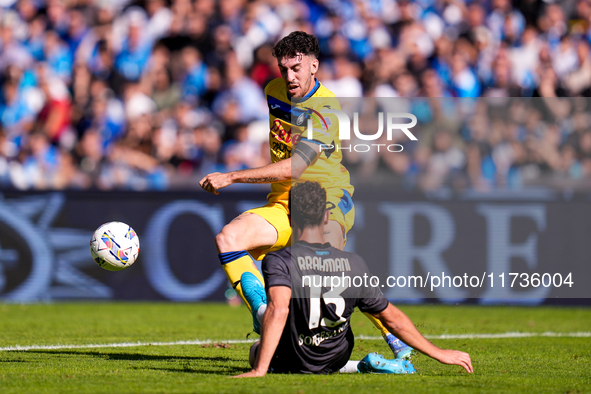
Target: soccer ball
<point>114,246</point>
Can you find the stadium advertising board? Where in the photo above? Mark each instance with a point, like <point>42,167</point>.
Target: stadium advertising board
<point>523,249</point>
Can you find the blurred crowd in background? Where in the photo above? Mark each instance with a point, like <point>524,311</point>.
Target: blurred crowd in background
<point>154,94</point>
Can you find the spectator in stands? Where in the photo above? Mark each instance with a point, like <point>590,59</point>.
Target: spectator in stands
<point>174,85</point>
<point>194,83</point>
<point>135,49</point>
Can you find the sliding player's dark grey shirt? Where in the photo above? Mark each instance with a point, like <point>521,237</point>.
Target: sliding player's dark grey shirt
<point>317,337</point>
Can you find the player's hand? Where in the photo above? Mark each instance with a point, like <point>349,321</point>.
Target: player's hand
<point>455,357</point>
<point>215,181</point>
<point>251,374</point>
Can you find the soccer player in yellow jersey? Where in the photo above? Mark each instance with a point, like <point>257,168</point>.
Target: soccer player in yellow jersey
<point>293,99</point>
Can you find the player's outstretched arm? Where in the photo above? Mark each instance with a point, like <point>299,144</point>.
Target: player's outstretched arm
<point>281,171</point>
<point>400,325</point>
<point>272,327</point>
<point>275,172</point>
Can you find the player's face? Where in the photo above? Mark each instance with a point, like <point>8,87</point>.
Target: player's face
<point>298,73</point>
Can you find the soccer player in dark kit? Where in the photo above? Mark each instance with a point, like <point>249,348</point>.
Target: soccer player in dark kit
<point>305,327</point>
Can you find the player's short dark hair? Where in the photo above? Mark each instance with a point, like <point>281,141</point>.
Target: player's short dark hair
<point>294,43</point>
<point>307,204</point>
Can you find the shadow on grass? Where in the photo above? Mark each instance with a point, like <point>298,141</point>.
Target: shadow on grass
<point>213,366</point>
<point>131,356</point>
<point>230,371</point>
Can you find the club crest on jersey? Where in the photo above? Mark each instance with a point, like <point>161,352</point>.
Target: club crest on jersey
<point>301,118</point>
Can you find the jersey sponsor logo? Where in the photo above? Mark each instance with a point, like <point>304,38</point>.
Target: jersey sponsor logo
<point>280,150</point>
<point>280,133</point>
<point>325,265</point>
<point>317,339</point>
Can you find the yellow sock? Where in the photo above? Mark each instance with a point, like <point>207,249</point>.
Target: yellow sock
<point>378,324</point>
<point>235,264</point>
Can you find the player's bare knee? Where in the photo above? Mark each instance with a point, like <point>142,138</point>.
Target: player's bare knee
<point>226,241</point>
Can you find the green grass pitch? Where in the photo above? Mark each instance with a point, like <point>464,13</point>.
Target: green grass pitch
<point>522,365</point>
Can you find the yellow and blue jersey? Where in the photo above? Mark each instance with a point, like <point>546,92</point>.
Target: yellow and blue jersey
<point>288,126</point>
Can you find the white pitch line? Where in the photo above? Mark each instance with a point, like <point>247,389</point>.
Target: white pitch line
<point>123,344</point>
<point>238,341</point>
<point>501,335</point>
<point>512,335</point>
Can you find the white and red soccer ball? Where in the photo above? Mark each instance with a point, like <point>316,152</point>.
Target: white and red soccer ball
<point>114,246</point>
